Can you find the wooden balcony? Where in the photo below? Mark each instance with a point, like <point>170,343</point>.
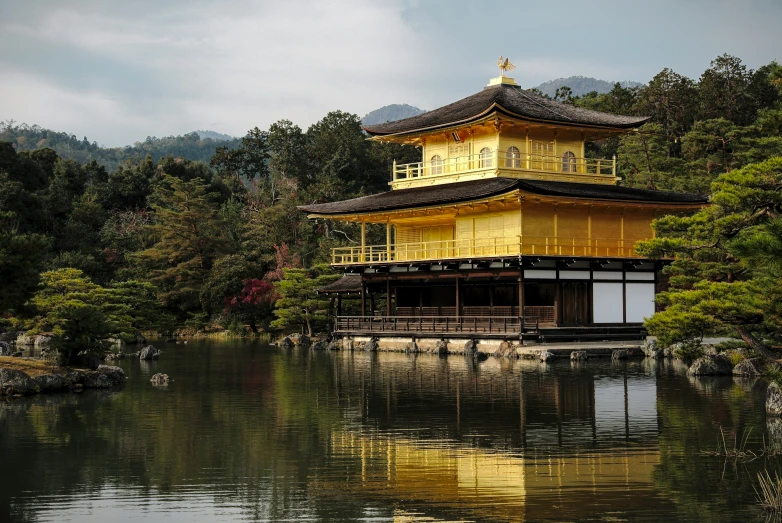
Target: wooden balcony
<point>485,325</point>
<point>484,248</point>
<point>501,163</point>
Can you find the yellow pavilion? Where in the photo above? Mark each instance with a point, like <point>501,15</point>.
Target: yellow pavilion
<point>504,229</point>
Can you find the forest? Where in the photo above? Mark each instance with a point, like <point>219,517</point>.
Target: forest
<point>209,236</point>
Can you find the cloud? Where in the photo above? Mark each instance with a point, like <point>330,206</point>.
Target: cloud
<point>236,66</point>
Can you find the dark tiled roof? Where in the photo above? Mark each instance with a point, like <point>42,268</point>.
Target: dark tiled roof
<point>478,189</point>
<point>510,100</point>
<point>346,284</point>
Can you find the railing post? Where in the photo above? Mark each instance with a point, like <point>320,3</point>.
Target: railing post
<point>613,166</point>
<point>597,168</point>
<point>393,171</point>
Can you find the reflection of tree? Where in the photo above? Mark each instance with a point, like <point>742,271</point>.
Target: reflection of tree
<point>691,412</point>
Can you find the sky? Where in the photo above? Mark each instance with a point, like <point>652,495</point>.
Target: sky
<point>117,71</point>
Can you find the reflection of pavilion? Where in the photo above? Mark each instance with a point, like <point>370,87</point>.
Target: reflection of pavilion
<point>476,483</point>
<point>445,439</point>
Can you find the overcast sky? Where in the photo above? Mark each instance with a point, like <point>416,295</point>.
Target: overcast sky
<point>118,71</point>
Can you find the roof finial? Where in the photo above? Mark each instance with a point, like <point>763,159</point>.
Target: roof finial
<point>505,65</point>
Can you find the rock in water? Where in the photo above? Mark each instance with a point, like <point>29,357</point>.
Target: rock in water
<point>5,348</point>
<point>148,353</point>
<point>480,356</point>
<point>578,355</point>
<point>470,348</point>
<point>747,368</point>
<point>773,400</point>
<point>115,375</point>
<point>371,345</point>
<point>16,382</point>
<point>304,342</point>
<point>160,379</point>
<point>52,382</point>
<point>620,354</point>
<point>23,340</point>
<point>320,345</point>
<point>441,347</point>
<point>42,341</point>
<point>336,344</point>
<point>287,343</point>
<point>711,365</point>
<point>651,350</point>
<point>546,356</point>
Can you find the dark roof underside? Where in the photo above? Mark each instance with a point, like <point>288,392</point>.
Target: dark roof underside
<point>479,189</point>
<point>511,100</point>
<point>346,284</point>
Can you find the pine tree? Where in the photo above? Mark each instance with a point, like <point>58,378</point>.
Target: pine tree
<point>298,302</point>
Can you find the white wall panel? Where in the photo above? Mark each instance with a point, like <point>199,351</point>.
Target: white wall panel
<point>640,301</point>
<point>607,275</point>
<point>574,275</point>
<point>639,276</point>
<point>542,274</point>
<point>607,302</point>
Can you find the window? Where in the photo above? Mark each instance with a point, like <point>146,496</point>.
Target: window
<point>513,157</point>
<point>486,157</point>
<point>437,164</point>
<point>569,162</point>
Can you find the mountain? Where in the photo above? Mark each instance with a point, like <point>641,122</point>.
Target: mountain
<point>391,113</point>
<point>213,135</point>
<point>582,85</point>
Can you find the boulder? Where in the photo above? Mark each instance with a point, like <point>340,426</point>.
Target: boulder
<point>668,352</point>
<point>9,336</point>
<point>304,342</point>
<point>17,354</point>
<point>651,350</point>
<point>14,382</point>
<point>336,344</point>
<point>470,348</point>
<point>546,356</point>
<point>115,374</point>
<point>506,350</point>
<point>579,355</point>
<point>773,400</point>
<point>74,377</point>
<point>42,341</point>
<point>115,356</point>
<point>23,340</point>
<point>371,345</point>
<point>480,356</point>
<point>287,343</point>
<point>750,368</point>
<point>149,353</point>
<point>441,347</point>
<point>52,382</point>
<point>620,354</point>
<point>5,348</point>
<point>711,365</point>
<point>160,380</point>
<point>320,345</point>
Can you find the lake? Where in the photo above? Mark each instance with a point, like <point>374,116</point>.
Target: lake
<point>249,432</point>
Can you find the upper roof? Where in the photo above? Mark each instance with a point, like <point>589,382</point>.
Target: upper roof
<point>479,189</point>
<point>507,99</point>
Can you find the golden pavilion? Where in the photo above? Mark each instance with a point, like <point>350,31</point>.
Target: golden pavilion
<point>504,229</point>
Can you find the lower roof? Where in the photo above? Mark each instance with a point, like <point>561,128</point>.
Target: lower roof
<point>458,192</point>
<point>348,284</point>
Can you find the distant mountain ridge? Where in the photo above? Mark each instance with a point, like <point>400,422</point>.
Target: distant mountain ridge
<point>581,85</point>
<point>214,135</point>
<point>390,113</point>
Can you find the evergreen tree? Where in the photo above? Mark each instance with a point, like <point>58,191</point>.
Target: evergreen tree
<point>298,303</point>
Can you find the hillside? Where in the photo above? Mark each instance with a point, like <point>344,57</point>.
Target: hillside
<point>391,113</point>
<point>191,146</point>
<point>581,85</point>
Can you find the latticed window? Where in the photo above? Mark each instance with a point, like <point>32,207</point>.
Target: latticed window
<point>569,162</point>
<point>513,157</point>
<point>437,164</point>
<point>486,157</point>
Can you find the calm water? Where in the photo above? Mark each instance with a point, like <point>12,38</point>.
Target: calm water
<point>251,432</point>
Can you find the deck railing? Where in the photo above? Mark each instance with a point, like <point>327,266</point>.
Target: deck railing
<point>437,324</point>
<point>484,247</point>
<point>505,161</point>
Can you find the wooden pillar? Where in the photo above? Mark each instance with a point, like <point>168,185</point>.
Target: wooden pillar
<point>363,299</point>
<point>339,305</point>
<point>521,292</point>
<point>388,296</point>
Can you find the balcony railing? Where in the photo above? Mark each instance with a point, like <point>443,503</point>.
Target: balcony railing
<point>437,324</point>
<point>506,161</point>
<point>484,247</point>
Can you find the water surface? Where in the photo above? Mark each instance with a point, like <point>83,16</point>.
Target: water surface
<point>248,432</point>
